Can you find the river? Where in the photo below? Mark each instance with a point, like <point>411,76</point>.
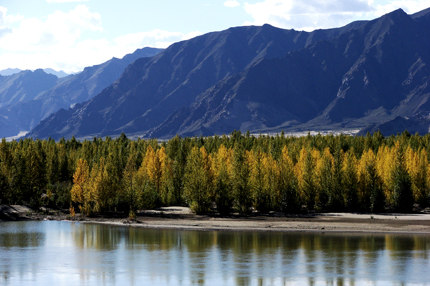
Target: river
<point>65,253</point>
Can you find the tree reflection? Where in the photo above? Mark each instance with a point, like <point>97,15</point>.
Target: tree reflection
<point>111,255</point>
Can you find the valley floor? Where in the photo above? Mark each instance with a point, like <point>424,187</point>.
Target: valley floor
<point>183,218</point>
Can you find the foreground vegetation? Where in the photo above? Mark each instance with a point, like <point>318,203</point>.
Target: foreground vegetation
<point>234,173</point>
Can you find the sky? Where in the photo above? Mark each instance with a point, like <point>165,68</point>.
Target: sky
<point>69,35</point>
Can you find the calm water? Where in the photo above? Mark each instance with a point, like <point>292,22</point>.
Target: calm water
<point>61,253</point>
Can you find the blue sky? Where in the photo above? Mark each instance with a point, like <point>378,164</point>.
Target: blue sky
<point>72,34</point>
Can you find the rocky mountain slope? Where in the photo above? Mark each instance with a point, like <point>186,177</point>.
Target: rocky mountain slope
<point>25,100</point>
<point>264,79</point>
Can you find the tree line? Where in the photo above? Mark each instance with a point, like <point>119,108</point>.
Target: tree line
<point>236,173</point>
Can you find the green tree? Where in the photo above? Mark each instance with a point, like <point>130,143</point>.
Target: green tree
<point>131,190</point>
<point>350,181</point>
<point>287,195</point>
<point>307,177</point>
<point>223,189</point>
<point>4,188</point>
<point>240,175</point>
<point>53,165</point>
<point>258,181</point>
<point>402,186</point>
<point>36,174</point>
<point>19,180</point>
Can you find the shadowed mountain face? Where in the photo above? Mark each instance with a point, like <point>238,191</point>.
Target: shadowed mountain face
<point>49,94</point>
<point>25,85</point>
<point>264,79</point>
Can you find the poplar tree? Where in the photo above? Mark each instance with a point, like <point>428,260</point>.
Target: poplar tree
<point>36,174</point>
<point>258,181</point>
<point>240,175</point>
<point>19,179</point>
<point>402,190</point>
<point>350,181</point>
<point>198,180</point>
<point>384,167</point>
<point>130,188</point>
<point>286,191</point>
<point>53,165</point>
<point>223,184</point>
<point>417,166</point>
<point>80,180</point>
<point>64,171</point>
<point>305,170</point>
<point>324,176</point>
<point>166,177</point>
<point>153,169</point>
<point>100,187</point>
<point>4,188</point>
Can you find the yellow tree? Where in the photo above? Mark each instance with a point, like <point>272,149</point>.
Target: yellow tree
<point>350,180</point>
<point>286,196</point>
<point>100,192</point>
<point>222,167</point>
<point>384,167</point>
<point>153,167</point>
<point>165,183</point>
<point>258,181</point>
<point>417,166</point>
<point>305,172</point>
<point>80,179</point>
<point>198,180</point>
<point>271,179</point>
<point>159,171</point>
<point>324,178</point>
<point>150,172</point>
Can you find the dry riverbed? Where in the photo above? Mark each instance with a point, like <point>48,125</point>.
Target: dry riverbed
<point>183,218</point>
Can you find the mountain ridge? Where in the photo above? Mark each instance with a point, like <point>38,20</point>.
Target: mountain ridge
<point>262,78</point>
<point>68,91</point>
<point>197,61</point>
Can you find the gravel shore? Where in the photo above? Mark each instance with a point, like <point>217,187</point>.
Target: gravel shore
<point>183,218</point>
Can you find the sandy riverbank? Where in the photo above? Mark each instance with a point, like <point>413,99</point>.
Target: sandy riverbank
<point>183,218</point>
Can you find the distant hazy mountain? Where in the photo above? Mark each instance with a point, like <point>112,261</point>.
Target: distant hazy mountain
<point>25,85</point>
<point>59,74</point>
<point>9,71</point>
<point>265,79</point>
<point>23,103</point>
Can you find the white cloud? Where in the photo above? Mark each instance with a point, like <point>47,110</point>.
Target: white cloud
<point>59,30</point>
<point>7,19</point>
<point>307,15</point>
<point>231,3</point>
<point>57,41</point>
<point>64,1</point>
<point>155,38</point>
<point>314,14</point>
<point>409,6</point>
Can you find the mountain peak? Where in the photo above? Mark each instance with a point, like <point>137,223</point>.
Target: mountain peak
<point>262,78</point>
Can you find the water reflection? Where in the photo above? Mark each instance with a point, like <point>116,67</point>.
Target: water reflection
<point>43,252</point>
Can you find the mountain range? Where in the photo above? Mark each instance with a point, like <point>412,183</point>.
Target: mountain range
<point>59,74</point>
<point>28,97</point>
<point>266,79</point>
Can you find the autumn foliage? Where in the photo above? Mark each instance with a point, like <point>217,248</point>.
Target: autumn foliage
<point>236,173</point>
